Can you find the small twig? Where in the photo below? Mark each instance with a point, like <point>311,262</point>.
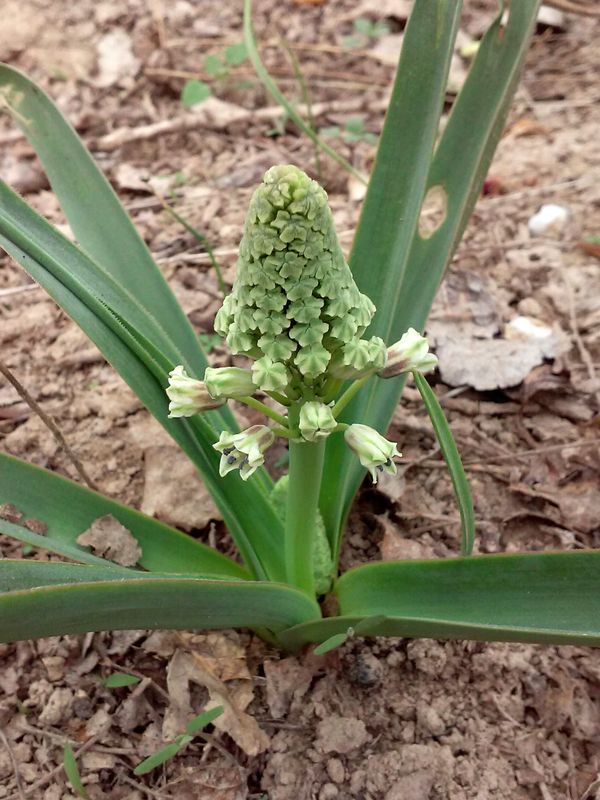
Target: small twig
<point>141,788</point>
<point>583,351</point>
<point>28,287</point>
<point>207,117</point>
<point>15,766</point>
<point>49,423</point>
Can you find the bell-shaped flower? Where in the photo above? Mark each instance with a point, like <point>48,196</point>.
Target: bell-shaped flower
<point>244,451</point>
<point>316,421</point>
<point>188,396</point>
<point>409,354</point>
<point>375,452</point>
<point>229,382</point>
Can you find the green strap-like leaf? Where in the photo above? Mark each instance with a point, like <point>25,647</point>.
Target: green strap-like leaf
<point>397,268</point>
<point>48,599</point>
<point>102,309</point>
<point>97,218</point>
<point>390,215</point>
<point>532,597</point>
<point>68,510</point>
<point>453,462</point>
<point>271,87</point>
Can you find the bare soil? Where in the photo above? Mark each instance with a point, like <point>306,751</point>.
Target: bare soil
<point>385,719</point>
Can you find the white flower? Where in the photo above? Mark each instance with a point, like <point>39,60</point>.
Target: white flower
<point>410,354</point>
<point>187,395</point>
<point>316,421</point>
<point>225,382</point>
<point>243,451</point>
<point>374,451</point>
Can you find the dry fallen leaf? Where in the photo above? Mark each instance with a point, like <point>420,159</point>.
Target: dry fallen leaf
<point>109,539</point>
<point>287,680</point>
<point>116,61</point>
<point>487,364</point>
<point>187,667</point>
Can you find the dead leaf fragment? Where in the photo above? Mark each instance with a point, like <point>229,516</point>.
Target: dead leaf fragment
<point>109,539</point>
<point>487,364</point>
<point>287,680</point>
<point>186,668</point>
<point>116,61</point>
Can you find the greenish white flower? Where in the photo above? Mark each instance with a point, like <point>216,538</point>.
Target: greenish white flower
<point>188,396</point>
<point>243,451</point>
<point>409,354</point>
<point>316,421</point>
<point>374,451</point>
<point>228,382</point>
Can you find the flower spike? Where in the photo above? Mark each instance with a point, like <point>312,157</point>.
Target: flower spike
<point>187,395</point>
<point>374,451</point>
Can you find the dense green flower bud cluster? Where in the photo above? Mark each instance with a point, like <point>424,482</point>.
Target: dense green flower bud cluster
<point>294,304</point>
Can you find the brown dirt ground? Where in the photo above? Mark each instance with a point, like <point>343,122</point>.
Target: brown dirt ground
<point>378,719</point>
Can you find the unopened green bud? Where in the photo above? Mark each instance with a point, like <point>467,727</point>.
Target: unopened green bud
<point>243,451</point>
<point>271,376</point>
<point>187,395</point>
<point>294,301</point>
<point>374,451</point>
<point>229,382</point>
<point>408,354</point>
<point>359,358</point>
<point>316,421</point>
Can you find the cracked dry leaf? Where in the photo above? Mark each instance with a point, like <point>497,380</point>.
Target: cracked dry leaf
<point>109,539</point>
<point>185,668</point>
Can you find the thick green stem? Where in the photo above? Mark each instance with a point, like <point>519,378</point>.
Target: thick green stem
<point>306,469</point>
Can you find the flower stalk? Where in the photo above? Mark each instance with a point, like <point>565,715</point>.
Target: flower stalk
<point>305,471</point>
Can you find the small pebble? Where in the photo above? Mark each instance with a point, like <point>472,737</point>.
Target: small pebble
<point>365,670</point>
<point>551,218</point>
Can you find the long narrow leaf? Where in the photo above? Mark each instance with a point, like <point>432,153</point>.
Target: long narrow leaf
<point>390,216</point>
<point>459,166</point>
<point>453,462</point>
<point>93,210</point>
<point>100,307</point>
<point>52,545</point>
<point>35,603</point>
<point>550,598</point>
<point>276,93</point>
<point>68,510</point>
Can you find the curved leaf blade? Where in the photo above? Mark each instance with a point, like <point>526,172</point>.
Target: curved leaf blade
<point>529,597</point>
<point>47,598</point>
<point>275,92</point>
<point>451,456</point>
<point>390,216</point>
<point>459,164</point>
<point>101,308</point>
<point>68,510</point>
<point>97,218</point>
